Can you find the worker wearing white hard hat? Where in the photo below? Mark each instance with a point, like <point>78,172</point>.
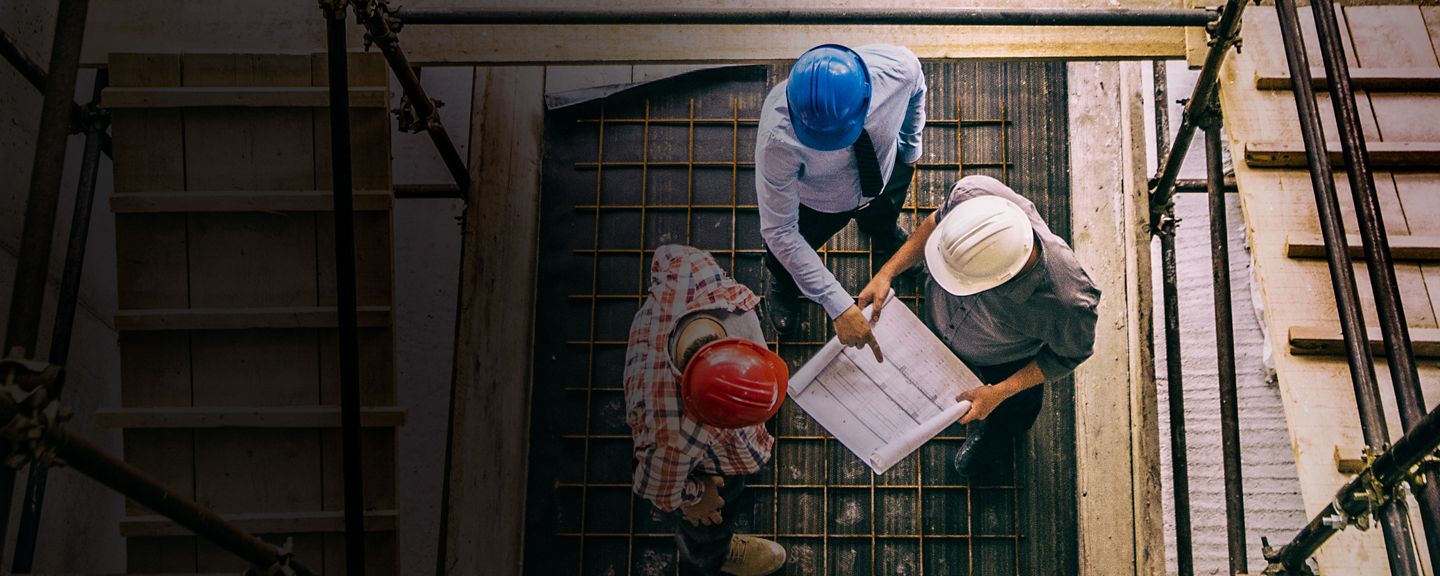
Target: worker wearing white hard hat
<point>1008,297</point>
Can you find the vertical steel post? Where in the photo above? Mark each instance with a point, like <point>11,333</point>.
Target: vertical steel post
<point>345,308</point>
<point>32,505</point>
<point>1362,371</point>
<point>1179,458</point>
<point>1389,307</point>
<point>1225,344</point>
<point>32,270</point>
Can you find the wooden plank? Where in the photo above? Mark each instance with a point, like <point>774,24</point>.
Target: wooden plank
<point>140,25</point>
<point>1270,154</point>
<point>490,408</point>
<point>1116,427</point>
<point>245,417</point>
<point>1328,341</point>
<point>1407,117</point>
<point>216,97</point>
<point>1390,36</point>
<point>1419,195</point>
<point>266,523</point>
<point>1402,248</point>
<point>241,319</point>
<point>245,201</point>
<point>1371,79</point>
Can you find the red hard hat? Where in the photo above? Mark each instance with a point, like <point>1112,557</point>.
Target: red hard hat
<point>734,383</point>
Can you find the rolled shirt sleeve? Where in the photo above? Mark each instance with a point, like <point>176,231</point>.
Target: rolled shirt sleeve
<point>1072,341</point>
<point>909,146</point>
<point>777,167</point>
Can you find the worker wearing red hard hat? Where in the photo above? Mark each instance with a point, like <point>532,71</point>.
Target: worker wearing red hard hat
<point>699,386</point>
<point>1009,299</point>
<point>837,142</point>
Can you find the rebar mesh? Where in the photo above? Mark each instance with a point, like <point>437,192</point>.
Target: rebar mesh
<point>674,164</point>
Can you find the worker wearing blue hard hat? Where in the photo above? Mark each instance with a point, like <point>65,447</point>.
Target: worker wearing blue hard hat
<point>837,142</point>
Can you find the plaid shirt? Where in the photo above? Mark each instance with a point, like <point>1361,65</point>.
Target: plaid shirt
<point>669,446</point>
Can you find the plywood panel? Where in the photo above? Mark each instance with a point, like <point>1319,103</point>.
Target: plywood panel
<point>1407,117</point>
<point>1278,203</point>
<point>1390,36</point>
<point>207,280</point>
<point>1420,195</point>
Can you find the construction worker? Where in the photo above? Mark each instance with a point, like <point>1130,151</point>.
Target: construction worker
<point>699,386</point>
<point>1007,296</point>
<point>837,142</point>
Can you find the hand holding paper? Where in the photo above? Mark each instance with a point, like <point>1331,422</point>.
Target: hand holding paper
<point>884,411</point>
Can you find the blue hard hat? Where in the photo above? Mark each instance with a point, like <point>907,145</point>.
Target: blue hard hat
<point>829,97</point>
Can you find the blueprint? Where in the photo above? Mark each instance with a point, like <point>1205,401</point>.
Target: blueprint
<point>883,411</point>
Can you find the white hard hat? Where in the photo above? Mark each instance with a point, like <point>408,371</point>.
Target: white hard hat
<point>980,244</point>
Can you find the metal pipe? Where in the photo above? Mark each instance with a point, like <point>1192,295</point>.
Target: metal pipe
<point>90,460</point>
<point>34,499</point>
<point>1203,186</point>
<point>1225,347</point>
<point>1224,33</point>
<point>1179,456</point>
<point>32,268</point>
<point>35,75</point>
<point>380,27</point>
<point>1362,370</point>
<point>1389,469</point>
<point>1389,306</point>
<point>345,291</point>
<point>823,16</point>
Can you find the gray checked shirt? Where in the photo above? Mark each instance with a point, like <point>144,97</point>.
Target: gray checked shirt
<point>1046,313</point>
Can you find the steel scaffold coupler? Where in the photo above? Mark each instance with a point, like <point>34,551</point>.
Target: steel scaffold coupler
<point>1274,567</point>
<point>382,28</point>
<point>27,410</point>
<point>409,117</point>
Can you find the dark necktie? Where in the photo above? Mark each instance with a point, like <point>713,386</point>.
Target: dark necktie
<point>871,182</point>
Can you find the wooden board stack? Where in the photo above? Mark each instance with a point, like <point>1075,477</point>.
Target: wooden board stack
<point>224,240</point>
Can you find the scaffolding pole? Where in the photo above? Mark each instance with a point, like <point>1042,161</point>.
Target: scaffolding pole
<point>937,16</point>
<point>34,500</point>
<point>1223,35</point>
<point>1174,371</point>
<point>1225,345</point>
<point>1394,522</point>
<point>1377,483</point>
<point>419,112</point>
<point>35,75</point>
<point>1389,307</point>
<point>345,291</point>
<point>33,266</point>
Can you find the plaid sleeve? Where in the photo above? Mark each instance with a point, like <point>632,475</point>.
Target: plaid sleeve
<point>662,476</point>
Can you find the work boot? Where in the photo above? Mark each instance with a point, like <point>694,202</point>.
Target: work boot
<point>969,453</point>
<point>751,556</point>
<point>782,306</point>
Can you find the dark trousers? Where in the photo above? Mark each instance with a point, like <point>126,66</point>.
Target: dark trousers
<point>1017,413</point>
<point>876,219</point>
<point>703,548</point>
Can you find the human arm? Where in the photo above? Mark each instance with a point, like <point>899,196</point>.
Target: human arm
<point>984,399</point>
<point>777,168</point>
<point>908,255</point>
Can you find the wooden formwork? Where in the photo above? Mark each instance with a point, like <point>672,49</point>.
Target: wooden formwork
<point>225,272</point>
